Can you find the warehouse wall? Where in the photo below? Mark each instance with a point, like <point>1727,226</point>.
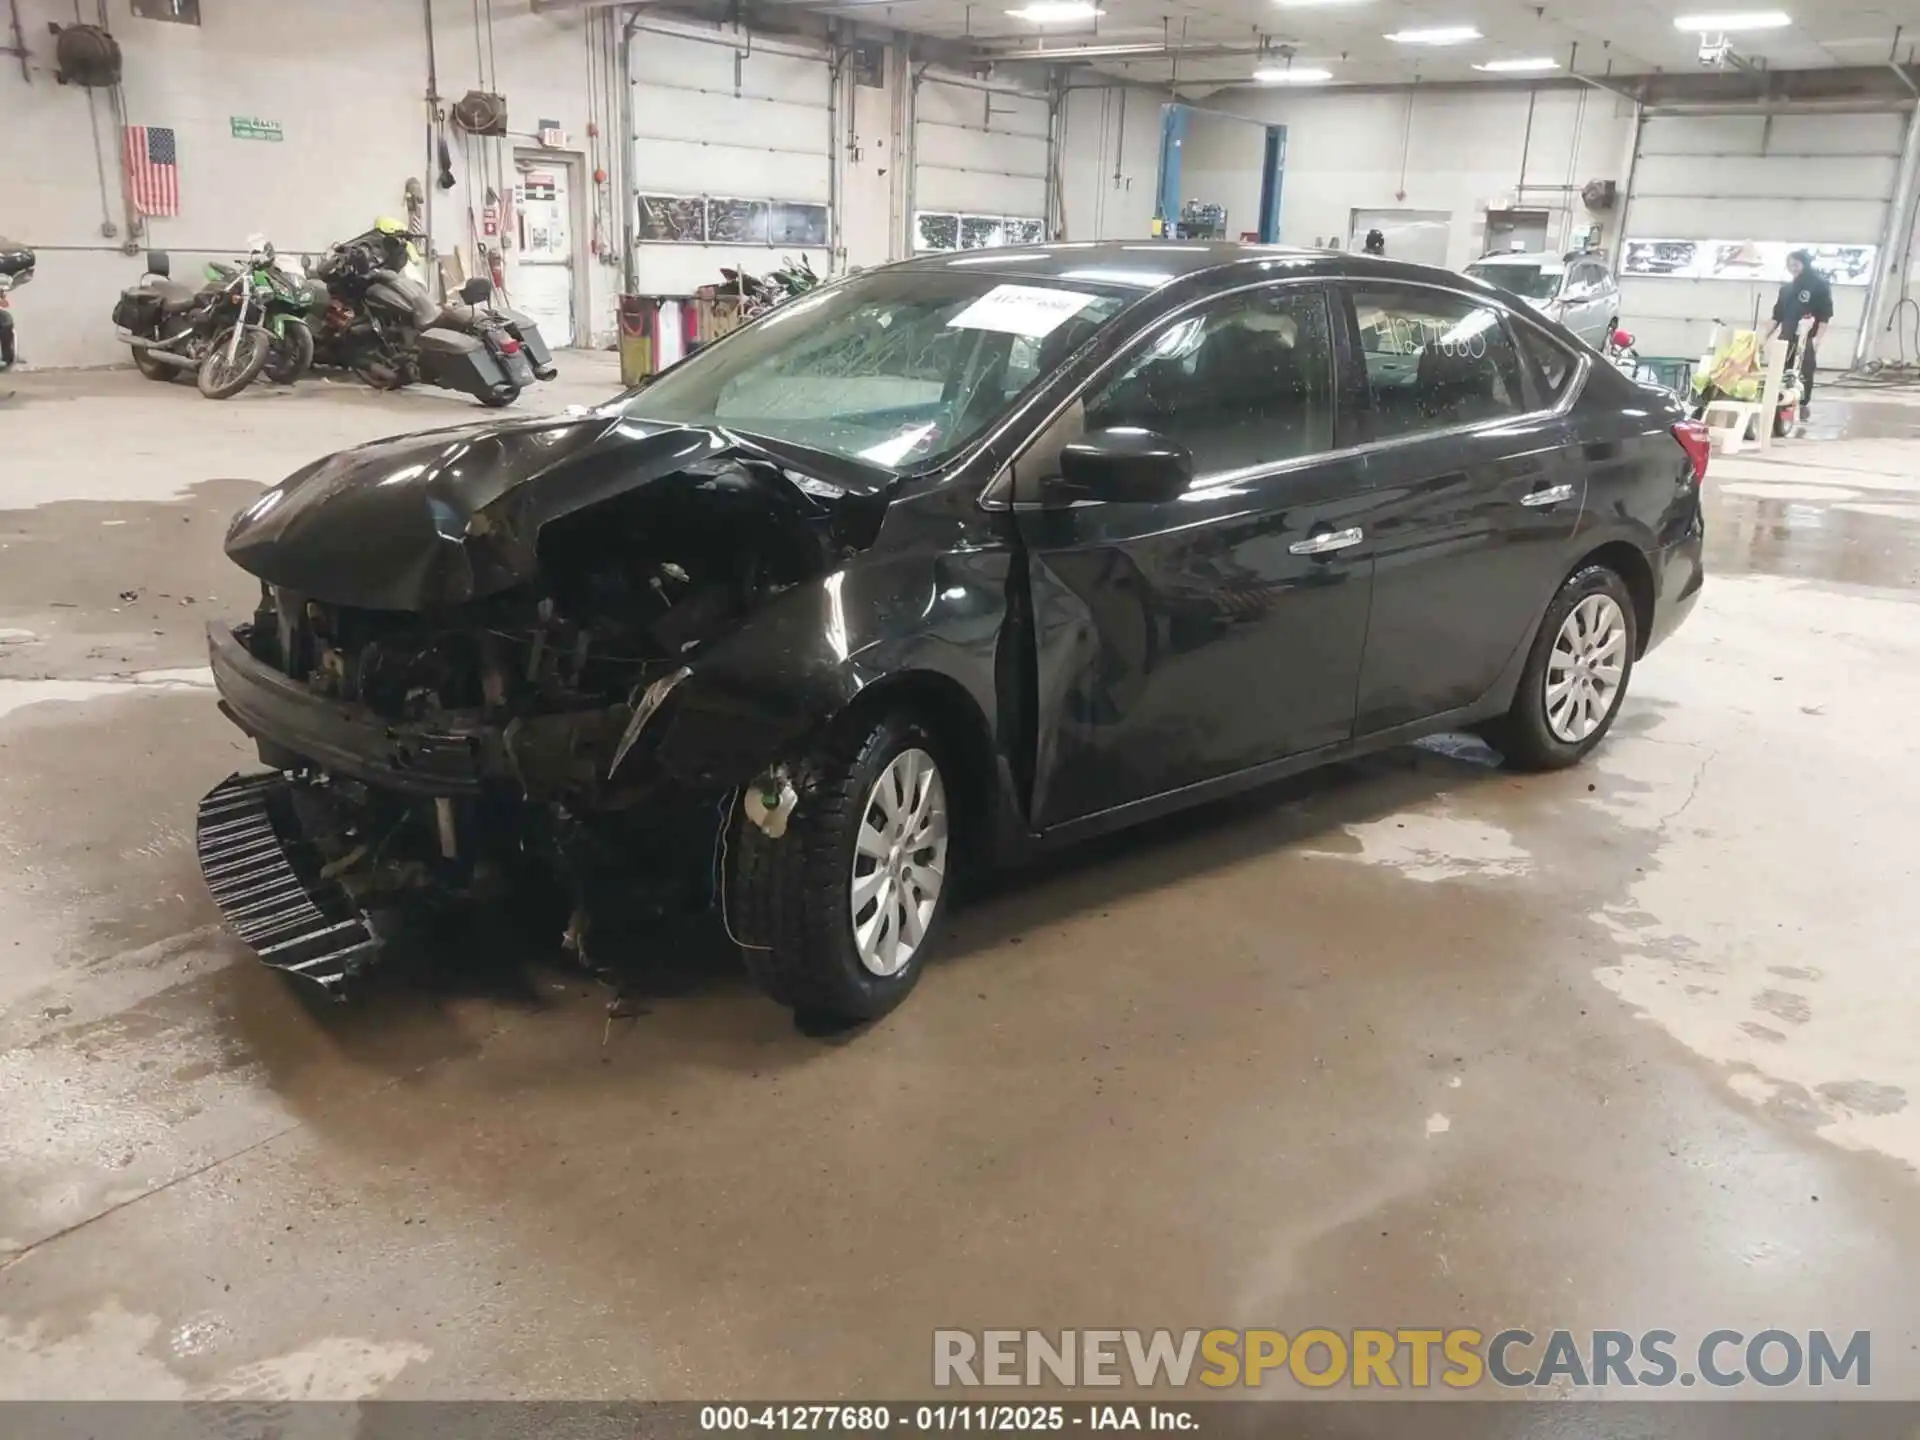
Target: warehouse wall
<point>1221,162</point>
<point>1110,162</point>
<point>345,80</point>
<point>1825,179</point>
<point>977,151</point>
<point>1457,150</point>
<point>719,116</point>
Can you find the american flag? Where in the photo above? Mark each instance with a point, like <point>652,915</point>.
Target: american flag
<point>153,169</point>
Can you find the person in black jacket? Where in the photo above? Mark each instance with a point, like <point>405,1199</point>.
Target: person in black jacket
<point>1806,294</point>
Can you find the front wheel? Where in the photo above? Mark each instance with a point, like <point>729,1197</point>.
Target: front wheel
<point>221,378</point>
<point>1576,674</point>
<point>837,916</point>
<point>292,354</point>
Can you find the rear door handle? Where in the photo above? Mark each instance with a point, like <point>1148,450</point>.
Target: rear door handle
<point>1328,541</point>
<point>1551,495</point>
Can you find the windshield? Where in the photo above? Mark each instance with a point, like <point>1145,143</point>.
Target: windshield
<point>897,368</point>
<point>1529,282</point>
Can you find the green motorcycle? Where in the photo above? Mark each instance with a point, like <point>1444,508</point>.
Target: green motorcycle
<point>286,306</point>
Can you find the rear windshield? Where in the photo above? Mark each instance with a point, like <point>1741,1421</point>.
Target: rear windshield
<point>1529,282</point>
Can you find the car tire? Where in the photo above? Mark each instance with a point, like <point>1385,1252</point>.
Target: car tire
<point>1576,675</point>
<point>793,903</point>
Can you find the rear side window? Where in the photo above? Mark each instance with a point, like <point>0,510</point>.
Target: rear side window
<point>1247,381</point>
<point>1552,362</point>
<point>1435,360</point>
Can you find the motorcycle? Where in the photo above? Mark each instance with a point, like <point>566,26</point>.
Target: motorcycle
<point>16,269</point>
<point>381,324</point>
<point>289,306</point>
<point>759,294</point>
<point>219,331</point>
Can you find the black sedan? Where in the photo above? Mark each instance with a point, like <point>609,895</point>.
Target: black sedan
<point>944,561</point>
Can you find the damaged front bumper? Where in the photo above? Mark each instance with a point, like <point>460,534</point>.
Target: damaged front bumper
<point>272,891</point>
<point>449,757</point>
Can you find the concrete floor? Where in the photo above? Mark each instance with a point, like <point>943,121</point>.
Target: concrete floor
<point>1410,1042</point>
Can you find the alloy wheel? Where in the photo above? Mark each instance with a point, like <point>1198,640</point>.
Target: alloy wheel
<point>1586,669</point>
<point>899,862</point>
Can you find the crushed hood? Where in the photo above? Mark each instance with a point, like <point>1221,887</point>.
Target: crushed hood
<point>428,520</point>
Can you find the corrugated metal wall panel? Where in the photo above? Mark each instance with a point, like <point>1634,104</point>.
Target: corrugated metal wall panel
<point>979,153</point>
<point>715,121</point>
<point>1814,179</point>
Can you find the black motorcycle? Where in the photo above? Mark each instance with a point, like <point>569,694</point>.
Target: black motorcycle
<point>381,324</point>
<point>226,331</point>
<point>16,269</point>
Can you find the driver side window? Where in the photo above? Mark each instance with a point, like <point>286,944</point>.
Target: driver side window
<point>1246,381</point>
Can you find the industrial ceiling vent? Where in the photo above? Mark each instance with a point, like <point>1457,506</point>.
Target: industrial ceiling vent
<point>1601,194</point>
<point>85,55</point>
<point>479,112</point>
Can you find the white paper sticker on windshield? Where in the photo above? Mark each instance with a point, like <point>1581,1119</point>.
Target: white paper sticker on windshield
<point>1030,310</point>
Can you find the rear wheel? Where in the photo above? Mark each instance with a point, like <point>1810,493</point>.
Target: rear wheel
<point>836,917</point>
<point>496,399</point>
<point>222,378</point>
<point>152,368</point>
<point>1576,674</point>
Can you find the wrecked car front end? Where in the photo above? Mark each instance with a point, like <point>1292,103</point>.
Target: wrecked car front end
<point>459,663</point>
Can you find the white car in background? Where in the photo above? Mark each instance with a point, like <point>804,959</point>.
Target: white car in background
<point>1578,291</point>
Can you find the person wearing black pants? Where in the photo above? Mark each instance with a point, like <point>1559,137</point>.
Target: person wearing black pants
<point>1805,294</point>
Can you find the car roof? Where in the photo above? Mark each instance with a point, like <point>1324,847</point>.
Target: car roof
<point>1522,257</point>
<point>1147,265</point>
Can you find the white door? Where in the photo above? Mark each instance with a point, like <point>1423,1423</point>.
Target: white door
<point>1421,236</point>
<point>540,280</point>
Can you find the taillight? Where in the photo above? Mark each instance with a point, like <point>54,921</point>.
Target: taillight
<point>1697,441</point>
<point>508,345</point>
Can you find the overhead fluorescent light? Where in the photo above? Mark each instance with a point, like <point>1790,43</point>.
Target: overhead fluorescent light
<point>1303,4</point>
<point>1053,12</point>
<point>1293,75</point>
<point>1438,35</point>
<point>1538,62</point>
<point>1735,20</point>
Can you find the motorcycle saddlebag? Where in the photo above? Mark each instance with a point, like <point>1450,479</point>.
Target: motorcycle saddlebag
<point>459,362</point>
<point>138,311</point>
<point>528,334</point>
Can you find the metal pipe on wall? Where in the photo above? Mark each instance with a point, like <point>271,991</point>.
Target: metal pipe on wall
<point>1526,140</point>
<point>430,177</point>
<point>630,186</point>
<point>836,68</point>
<point>1891,260</point>
<point>1573,165</point>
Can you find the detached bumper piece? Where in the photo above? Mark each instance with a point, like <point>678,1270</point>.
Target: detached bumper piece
<point>309,930</point>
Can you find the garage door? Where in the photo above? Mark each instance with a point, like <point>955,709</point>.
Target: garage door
<point>731,159</point>
<point>1716,198</point>
<point>979,166</point>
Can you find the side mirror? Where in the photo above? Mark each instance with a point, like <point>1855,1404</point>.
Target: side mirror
<point>159,264</point>
<point>477,291</point>
<point>1125,465</point>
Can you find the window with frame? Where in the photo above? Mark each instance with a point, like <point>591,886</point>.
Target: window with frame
<point>1553,363</point>
<point>1247,381</point>
<point>1435,360</point>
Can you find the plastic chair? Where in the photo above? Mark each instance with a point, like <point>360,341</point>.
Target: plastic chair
<point>1728,420</point>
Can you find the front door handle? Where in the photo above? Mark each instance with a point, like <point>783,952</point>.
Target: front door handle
<point>1328,541</point>
<point>1551,495</point>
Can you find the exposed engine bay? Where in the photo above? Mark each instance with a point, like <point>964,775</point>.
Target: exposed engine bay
<point>435,753</point>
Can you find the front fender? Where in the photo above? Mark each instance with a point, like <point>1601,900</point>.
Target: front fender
<point>756,695</point>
